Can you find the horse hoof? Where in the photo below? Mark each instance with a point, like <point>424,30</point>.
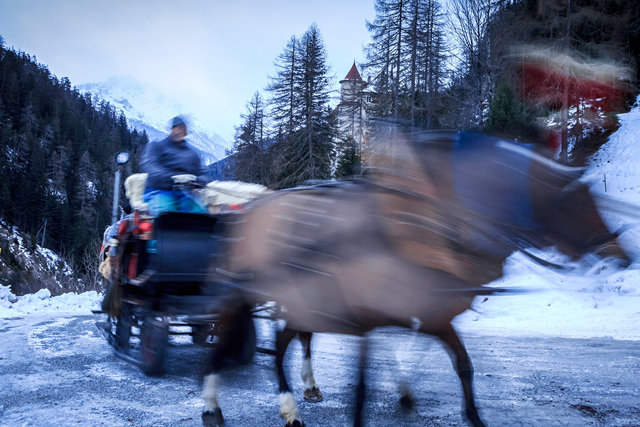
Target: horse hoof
<point>294,423</point>
<point>313,395</point>
<point>407,403</point>
<point>474,418</point>
<point>212,419</point>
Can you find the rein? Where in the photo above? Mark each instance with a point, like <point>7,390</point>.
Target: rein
<point>544,262</point>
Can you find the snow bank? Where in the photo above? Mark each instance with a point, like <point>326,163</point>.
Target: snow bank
<point>43,303</point>
<point>618,162</point>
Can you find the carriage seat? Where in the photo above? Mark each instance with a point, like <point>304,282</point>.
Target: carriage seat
<point>229,193</point>
<point>134,189</point>
<point>216,194</point>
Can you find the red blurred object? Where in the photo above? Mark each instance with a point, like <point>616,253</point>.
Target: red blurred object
<point>145,227</point>
<point>132,271</point>
<point>236,207</point>
<point>545,76</point>
<point>122,228</point>
<point>554,141</point>
<point>546,85</point>
<point>136,223</point>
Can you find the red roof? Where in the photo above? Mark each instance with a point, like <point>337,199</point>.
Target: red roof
<point>353,73</point>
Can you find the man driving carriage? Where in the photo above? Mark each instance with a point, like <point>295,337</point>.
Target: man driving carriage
<point>171,163</point>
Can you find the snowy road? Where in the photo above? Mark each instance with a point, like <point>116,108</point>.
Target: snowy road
<point>60,371</point>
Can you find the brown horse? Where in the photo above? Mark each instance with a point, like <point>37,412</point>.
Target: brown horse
<point>415,240</point>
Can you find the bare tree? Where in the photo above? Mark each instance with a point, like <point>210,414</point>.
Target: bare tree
<point>385,52</point>
<point>469,22</point>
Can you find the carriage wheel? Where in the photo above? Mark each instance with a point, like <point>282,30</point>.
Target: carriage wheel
<point>154,335</point>
<point>123,328</point>
<point>200,333</point>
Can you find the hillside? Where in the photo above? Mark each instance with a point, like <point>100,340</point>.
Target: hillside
<point>57,158</point>
<point>26,267</point>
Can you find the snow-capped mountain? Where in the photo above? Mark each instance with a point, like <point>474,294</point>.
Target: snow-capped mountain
<point>147,109</point>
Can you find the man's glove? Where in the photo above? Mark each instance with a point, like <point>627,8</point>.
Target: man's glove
<point>183,178</point>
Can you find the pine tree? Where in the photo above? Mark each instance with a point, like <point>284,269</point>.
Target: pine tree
<point>303,147</point>
<point>85,190</point>
<point>508,116</point>
<point>309,152</point>
<point>56,174</point>
<point>349,161</point>
<point>405,56</point>
<point>284,88</point>
<point>250,147</point>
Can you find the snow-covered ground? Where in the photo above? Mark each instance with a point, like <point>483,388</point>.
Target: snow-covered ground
<point>592,300</point>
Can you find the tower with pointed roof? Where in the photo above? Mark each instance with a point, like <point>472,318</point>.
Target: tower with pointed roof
<point>355,101</point>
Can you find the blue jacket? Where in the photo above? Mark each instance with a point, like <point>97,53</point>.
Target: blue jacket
<point>165,158</point>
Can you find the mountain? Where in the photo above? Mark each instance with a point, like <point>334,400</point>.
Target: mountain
<point>148,109</point>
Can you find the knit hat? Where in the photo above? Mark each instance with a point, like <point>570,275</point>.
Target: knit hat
<point>178,121</point>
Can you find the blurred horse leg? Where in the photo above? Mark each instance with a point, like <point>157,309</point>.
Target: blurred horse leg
<point>462,365</point>
<point>361,388</point>
<point>311,389</point>
<point>407,398</point>
<point>231,326</point>
<point>211,414</point>
<point>288,406</point>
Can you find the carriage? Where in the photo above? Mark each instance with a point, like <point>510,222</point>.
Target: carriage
<point>161,272</point>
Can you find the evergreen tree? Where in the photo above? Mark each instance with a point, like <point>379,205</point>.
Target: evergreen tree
<point>250,147</point>
<point>349,161</point>
<point>431,59</point>
<point>508,116</point>
<point>308,153</point>
<point>86,188</point>
<point>405,55</point>
<point>285,103</point>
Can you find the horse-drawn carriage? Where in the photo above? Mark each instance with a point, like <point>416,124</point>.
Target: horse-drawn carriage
<point>412,244</point>
<point>161,275</point>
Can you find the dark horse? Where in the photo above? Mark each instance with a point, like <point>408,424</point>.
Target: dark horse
<point>415,240</point>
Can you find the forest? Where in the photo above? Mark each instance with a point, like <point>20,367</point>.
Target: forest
<point>57,159</point>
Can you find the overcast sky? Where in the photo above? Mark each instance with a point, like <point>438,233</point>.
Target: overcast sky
<point>209,55</point>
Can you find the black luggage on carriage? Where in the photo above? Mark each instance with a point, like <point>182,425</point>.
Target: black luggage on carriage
<point>182,249</point>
